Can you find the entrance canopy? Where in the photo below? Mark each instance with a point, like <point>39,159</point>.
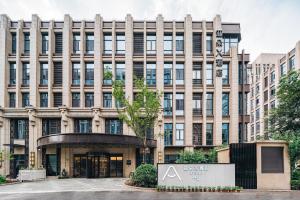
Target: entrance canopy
<point>92,138</point>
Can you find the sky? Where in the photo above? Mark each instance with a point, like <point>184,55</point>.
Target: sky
<point>267,26</point>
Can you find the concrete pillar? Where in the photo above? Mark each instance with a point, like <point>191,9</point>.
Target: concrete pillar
<point>174,81</point>
<point>51,47</point>
<point>19,51</point>
<point>4,69</point>
<point>82,64</point>
<point>204,83</point>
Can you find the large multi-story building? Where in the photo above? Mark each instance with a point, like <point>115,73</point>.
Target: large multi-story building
<point>57,108</point>
<point>267,69</point>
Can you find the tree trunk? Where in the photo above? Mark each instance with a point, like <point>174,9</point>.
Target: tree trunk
<point>144,146</point>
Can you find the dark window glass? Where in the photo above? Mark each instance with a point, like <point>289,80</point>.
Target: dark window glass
<point>197,74</point>
<point>44,99</point>
<point>138,70</point>
<point>75,74</point>
<point>57,99</point>
<point>45,43</point>
<point>58,43</point>
<point>107,100</point>
<point>168,134</point>
<point>12,74</point>
<point>272,160</point>
<point>57,73</point>
<point>113,126</point>
<point>13,43</point>
<point>120,72</point>
<point>25,74</point>
<point>225,104</point>
<point>171,158</point>
<point>179,73</point>
<point>44,74</point>
<point>209,134</point>
<point>76,43</point>
<point>225,133</point>
<point>197,134</point>
<point>151,74</point>
<point>20,128</point>
<point>197,49</point>
<point>51,126</point>
<point>168,104</point>
<point>179,103</point>
<point>89,99</point>
<point>75,99</point>
<point>89,43</point>
<point>26,43</point>
<point>107,69</point>
<point>179,43</point>
<point>225,74</point>
<point>168,43</point>
<point>228,42</point>
<point>82,125</point>
<point>197,104</point>
<point>168,74</point>
<point>89,74</point>
<point>138,43</point>
<point>25,99</point>
<point>209,44</point>
<point>209,104</point>
<point>12,99</point>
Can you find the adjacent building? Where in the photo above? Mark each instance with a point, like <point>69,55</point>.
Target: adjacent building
<point>57,109</point>
<point>267,69</point>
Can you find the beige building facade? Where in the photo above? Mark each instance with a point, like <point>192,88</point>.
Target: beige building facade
<point>57,110</point>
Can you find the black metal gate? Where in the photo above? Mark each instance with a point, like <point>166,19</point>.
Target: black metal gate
<point>243,155</point>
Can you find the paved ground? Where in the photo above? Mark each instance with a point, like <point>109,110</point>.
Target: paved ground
<point>110,189</point>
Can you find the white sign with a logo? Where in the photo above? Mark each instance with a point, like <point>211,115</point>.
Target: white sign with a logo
<point>209,175</point>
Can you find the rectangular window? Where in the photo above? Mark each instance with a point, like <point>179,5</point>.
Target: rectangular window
<point>89,42</point>
<point>113,126</point>
<point>76,43</point>
<point>272,92</point>
<point>168,43</point>
<point>272,104</point>
<point>12,73</point>
<point>283,69</point>
<point>272,160</point>
<point>12,99</point>
<point>257,88</point>
<point>45,43</point>
<point>43,99</point>
<point>57,99</point>
<point>138,70</point>
<point>272,80</point>
<point>179,43</point>
<point>25,74</point>
<point>89,74</point>
<point>120,46</point>
<point>266,95</point>
<point>75,99</point>
<point>51,126</point>
<point>13,43</point>
<point>168,104</point>
<point>57,73</point>
<point>225,133</point>
<point>197,49</point>
<point>209,74</point>
<point>75,74</point>
<point>197,74</point>
<point>58,43</point>
<point>266,82</point>
<point>292,63</point>
<point>228,42</point>
<point>179,134</point>
<point>209,134</point>
<point>168,134</point>
<point>120,72</point>
<point>151,74</point>
<point>25,99</point>
<point>107,100</point>
<point>82,126</point>
<point>209,44</point>
<point>179,73</point>
<point>257,114</point>
<point>197,104</point>
<point>44,74</point>
<point>89,99</point>
<point>20,128</point>
<point>107,69</point>
<point>168,75</point>
<point>179,103</point>
<point>107,43</point>
<point>225,104</point>
<point>225,74</point>
<point>26,43</point>
<point>138,43</point>
<point>151,43</point>
<point>197,134</point>
<point>209,104</point>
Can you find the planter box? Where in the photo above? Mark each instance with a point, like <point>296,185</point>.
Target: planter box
<point>32,175</point>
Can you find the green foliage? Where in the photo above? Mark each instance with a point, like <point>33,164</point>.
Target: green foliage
<point>145,176</point>
<point>197,156</point>
<point>2,179</point>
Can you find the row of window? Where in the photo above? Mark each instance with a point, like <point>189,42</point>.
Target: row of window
<point>138,72</point>
<point>138,43</point>
<point>197,134</point>
<point>19,127</point>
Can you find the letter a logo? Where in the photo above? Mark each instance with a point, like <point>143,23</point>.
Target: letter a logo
<point>171,173</point>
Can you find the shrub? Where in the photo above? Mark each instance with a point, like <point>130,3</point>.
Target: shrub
<point>295,184</point>
<point>2,179</point>
<point>145,176</point>
<point>197,156</point>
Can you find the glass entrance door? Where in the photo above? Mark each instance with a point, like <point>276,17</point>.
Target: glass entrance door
<point>97,166</point>
<point>116,166</point>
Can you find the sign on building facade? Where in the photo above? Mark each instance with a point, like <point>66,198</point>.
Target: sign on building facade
<point>208,175</point>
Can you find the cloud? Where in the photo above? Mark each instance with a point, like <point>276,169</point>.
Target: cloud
<point>267,25</point>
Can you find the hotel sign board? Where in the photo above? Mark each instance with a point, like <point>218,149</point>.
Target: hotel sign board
<point>207,175</point>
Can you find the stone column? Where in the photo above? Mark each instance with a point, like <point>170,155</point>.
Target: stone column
<point>82,64</point>
<point>51,46</point>
<point>32,136</point>
<point>19,51</point>
<point>204,83</point>
<point>4,69</point>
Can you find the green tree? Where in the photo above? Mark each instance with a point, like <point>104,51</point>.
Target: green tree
<point>197,156</point>
<point>285,118</point>
<point>140,114</point>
